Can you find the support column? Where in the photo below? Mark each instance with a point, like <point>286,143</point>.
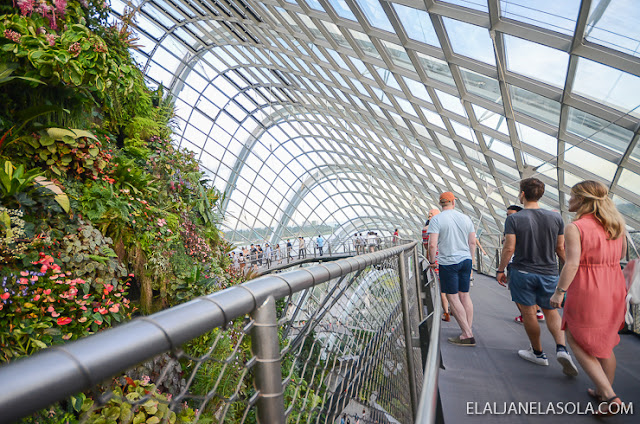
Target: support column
<point>266,348</point>
<point>408,339</point>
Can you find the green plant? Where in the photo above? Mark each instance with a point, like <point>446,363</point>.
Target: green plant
<point>14,241</point>
<point>70,152</point>
<point>6,69</point>
<point>87,253</point>
<point>16,180</point>
<point>135,401</point>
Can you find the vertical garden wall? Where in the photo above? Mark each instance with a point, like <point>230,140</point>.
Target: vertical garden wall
<point>100,217</point>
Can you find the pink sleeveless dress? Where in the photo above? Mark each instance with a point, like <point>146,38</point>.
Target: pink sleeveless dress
<point>595,302</point>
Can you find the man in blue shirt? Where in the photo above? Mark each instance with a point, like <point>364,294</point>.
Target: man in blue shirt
<point>452,235</point>
<point>320,243</point>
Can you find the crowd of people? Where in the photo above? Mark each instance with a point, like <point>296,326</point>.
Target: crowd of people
<point>256,255</point>
<point>590,288</point>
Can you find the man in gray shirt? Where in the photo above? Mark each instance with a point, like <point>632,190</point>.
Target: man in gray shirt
<point>452,235</point>
<point>533,237</point>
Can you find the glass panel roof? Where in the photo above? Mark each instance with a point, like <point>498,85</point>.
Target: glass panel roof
<point>334,122</point>
<point>470,40</point>
<point>417,24</point>
<point>554,15</point>
<point>536,61</point>
<point>615,25</point>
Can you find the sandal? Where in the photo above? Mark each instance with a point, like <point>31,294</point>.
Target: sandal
<point>608,412</point>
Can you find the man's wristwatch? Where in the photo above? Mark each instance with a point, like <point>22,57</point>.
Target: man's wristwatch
<point>431,263</point>
<point>559,290</point>
<point>499,272</point>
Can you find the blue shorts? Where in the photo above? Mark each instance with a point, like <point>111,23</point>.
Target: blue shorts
<point>455,278</point>
<point>530,289</point>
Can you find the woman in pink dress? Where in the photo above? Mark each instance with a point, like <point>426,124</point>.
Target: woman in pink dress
<point>595,288</point>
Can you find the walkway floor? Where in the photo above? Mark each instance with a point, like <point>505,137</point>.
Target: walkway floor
<point>493,372</point>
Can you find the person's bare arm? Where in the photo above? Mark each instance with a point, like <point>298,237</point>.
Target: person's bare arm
<point>471,239</point>
<point>560,247</point>
<point>507,253</point>
<point>624,247</point>
<point>433,247</point>
<point>571,265</point>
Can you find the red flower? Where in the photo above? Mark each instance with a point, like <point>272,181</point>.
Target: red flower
<point>5,296</point>
<point>64,320</point>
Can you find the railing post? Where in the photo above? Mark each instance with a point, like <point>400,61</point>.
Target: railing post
<point>408,337</point>
<point>266,348</point>
<point>418,272</point>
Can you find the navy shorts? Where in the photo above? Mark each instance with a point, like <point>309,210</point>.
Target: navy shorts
<point>530,289</point>
<point>455,278</point>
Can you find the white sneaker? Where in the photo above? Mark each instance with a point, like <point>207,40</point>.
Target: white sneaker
<point>532,357</point>
<point>568,367</point>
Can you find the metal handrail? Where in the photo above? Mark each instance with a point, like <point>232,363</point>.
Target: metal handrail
<point>427,407</point>
<point>30,384</point>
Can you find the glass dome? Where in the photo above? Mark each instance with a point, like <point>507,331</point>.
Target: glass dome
<point>343,116</point>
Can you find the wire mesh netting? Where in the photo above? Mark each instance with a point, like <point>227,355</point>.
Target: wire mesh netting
<point>207,380</point>
<point>344,350</point>
<point>342,347</point>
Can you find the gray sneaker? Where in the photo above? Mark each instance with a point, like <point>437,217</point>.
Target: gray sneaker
<point>532,357</point>
<point>471,341</point>
<point>568,367</point>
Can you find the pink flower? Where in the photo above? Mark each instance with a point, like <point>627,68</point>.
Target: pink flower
<point>50,309</point>
<point>51,39</point>
<point>5,296</point>
<point>26,7</point>
<point>24,273</point>
<point>102,311</point>
<point>47,291</point>
<point>34,278</point>
<point>36,298</point>
<point>61,7</point>
<point>23,281</point>
<point>115,308</point>
<point>64,320</point>
<point>83,319</point>
<point>75,49</point>
<point>55,314</point>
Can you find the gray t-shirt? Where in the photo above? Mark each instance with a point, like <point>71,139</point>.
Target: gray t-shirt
<point>536,232</point>
<point>453,229</point>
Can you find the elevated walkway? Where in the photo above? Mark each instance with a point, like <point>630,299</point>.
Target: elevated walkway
<point>493,372</point>
<point>286,266</point>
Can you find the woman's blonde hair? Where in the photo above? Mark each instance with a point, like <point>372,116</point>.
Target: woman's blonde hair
<point>594,199</point>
